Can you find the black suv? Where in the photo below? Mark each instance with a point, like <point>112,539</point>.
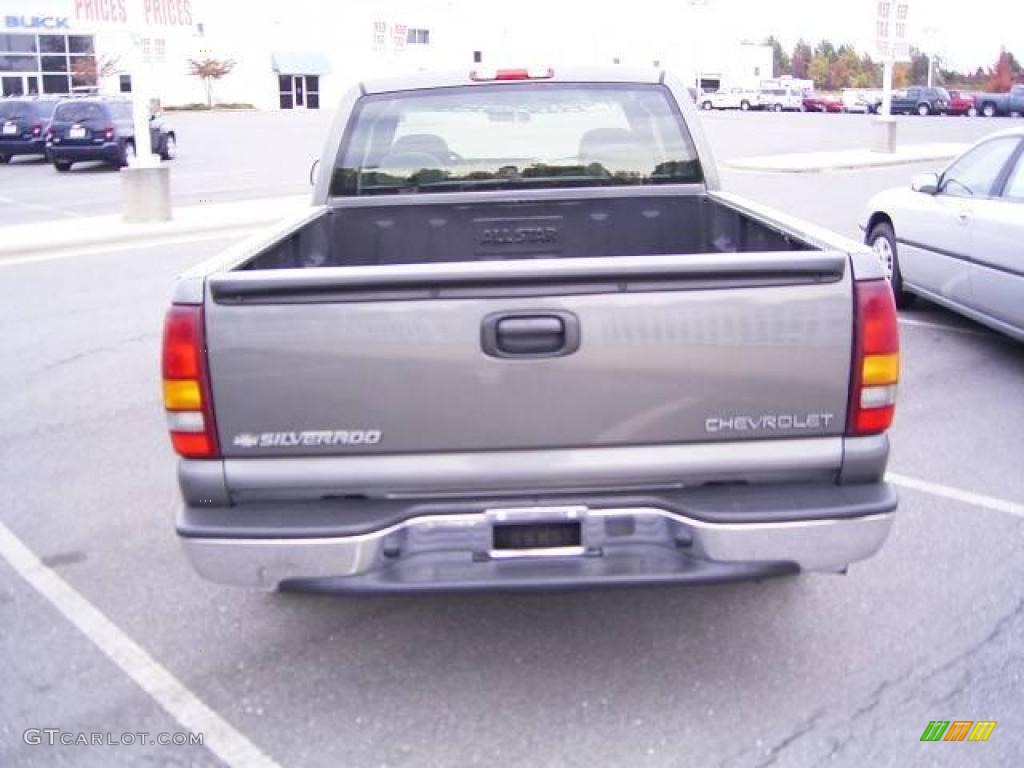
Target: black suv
<point>23,124</point>
<point>101,129</point>
<point>923,101</point>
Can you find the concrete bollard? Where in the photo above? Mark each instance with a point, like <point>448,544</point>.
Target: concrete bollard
<point>146,194</point>
<point>885,135</point>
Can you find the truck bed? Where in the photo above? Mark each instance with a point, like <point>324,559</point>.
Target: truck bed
<point>430,230</point>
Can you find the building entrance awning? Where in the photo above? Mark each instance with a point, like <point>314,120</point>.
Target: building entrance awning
<point>300,63</point>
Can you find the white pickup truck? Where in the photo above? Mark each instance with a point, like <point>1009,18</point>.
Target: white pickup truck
<point>523,339</point>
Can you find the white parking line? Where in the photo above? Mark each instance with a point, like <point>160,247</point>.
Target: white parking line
<point>942,327</point>
<point>220,737</point>
<point>956,494</point>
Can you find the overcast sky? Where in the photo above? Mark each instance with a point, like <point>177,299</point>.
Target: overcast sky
<point>966,34</point>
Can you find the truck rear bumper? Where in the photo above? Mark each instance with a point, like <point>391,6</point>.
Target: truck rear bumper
<point>609,544</point>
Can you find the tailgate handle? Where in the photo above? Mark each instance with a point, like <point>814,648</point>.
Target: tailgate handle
<point>530,334</point>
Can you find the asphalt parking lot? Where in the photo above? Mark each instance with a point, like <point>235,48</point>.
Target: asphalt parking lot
<point>231,156</point>
<point>812,670</point>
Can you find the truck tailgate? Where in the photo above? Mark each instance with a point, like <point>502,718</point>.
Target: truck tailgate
<point>653,350</point>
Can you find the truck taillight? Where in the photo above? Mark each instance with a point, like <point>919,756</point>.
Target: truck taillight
<point>108,133</point>
<point>37,128</point>
<point>876,359</point>
<point>186,384</point>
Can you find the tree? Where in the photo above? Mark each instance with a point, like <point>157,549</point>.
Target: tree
<point>92,69</point>
<point>801,59</point>
<point>209,70</point>
<point>1016,70</point>
<point>900,75</point>
<point>826,50</point>
<point>1001,78</point>
<point>780,61</point>
<point>818,71</point>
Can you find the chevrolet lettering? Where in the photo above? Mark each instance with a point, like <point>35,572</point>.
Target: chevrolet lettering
<point>768,422</point>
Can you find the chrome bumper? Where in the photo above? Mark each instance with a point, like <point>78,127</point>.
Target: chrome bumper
<point>628,545</point>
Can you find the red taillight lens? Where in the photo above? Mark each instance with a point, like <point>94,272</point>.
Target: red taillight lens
<point>50,133</point>
<point>186,384</point>
<point>108,133</point>
<point>37,128</point>
<point>876,359</point>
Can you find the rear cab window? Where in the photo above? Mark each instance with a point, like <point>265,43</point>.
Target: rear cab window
<point>513,137</point>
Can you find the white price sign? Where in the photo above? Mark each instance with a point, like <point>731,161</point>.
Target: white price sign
<point>891,30</point>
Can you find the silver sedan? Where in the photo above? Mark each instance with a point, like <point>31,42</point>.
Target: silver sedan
<point>957,238</point>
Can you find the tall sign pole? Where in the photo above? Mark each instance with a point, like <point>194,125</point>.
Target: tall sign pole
<point>144,157</point>
<point>891,46</point>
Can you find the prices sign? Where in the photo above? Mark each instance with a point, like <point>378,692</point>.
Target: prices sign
<point>891,30</point>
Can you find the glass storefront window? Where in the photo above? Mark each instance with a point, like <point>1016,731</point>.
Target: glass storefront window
<point>53,44</point>
<point>81,44</point>
<point>19,63</point>
<point>17,44</point>
<point>55,84</point>
<point>55,63</point>
<point>83,66</point>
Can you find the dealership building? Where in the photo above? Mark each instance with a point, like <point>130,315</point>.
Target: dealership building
<point>303,54</point>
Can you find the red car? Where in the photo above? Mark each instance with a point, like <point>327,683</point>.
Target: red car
<point>814,102</point>
<point>962,103</point>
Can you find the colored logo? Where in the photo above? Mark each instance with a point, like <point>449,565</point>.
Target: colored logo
<point>958,730</point>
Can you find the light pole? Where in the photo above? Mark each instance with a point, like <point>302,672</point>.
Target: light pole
<point>930,34</point>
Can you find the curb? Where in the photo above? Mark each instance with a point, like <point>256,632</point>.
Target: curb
<point>25,240</point>
<point>806,163</point>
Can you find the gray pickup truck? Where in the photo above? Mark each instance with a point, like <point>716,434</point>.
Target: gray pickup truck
<point>992,104</point>
<point>522,339</point>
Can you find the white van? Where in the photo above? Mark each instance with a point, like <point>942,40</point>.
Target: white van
<point>780,99</point>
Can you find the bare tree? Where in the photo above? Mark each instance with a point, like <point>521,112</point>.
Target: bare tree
<point>209,70</point>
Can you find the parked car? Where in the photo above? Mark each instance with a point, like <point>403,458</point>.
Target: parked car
<point>451,373</point>
<point>780,99</point>
<point>920,100</point>
<point>992,104</point>
<point>23,122</point>
<point>955,237</point>
<point>962,103</point>
<point>101,129</point>
<point>855,100</point>
<point>730,98</point>
<point>819,102</point>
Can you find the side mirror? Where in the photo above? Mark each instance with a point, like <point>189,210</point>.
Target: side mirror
<point>314,173</point>
<point>925,183</point>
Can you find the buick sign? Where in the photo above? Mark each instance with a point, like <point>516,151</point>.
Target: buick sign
<point>37,22</point>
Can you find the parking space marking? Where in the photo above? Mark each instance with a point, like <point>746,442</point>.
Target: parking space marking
<point>219,736</point>
<point>943,327</point>
<point>956,494</point>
